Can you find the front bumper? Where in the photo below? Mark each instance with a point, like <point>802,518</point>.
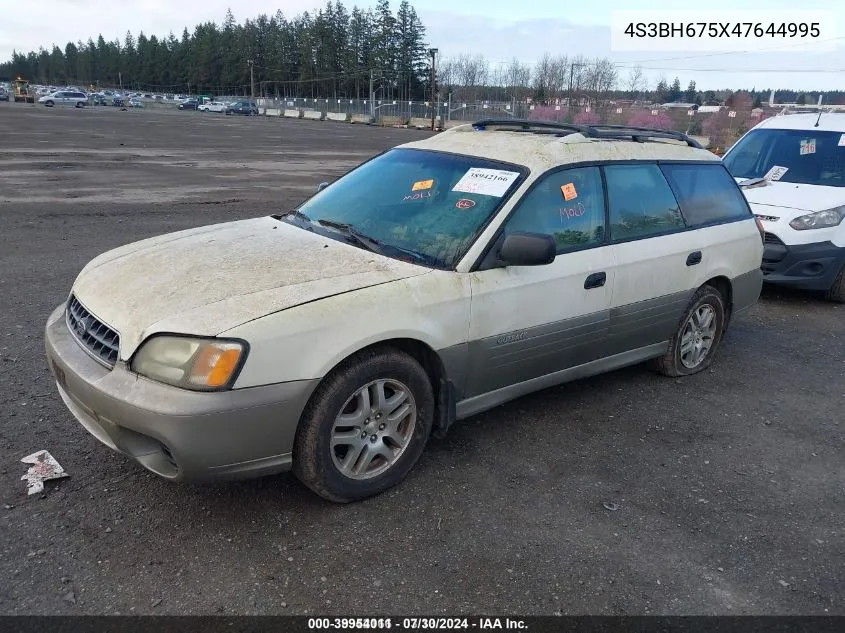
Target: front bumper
<point>179,434</point>
<point>808,266</point>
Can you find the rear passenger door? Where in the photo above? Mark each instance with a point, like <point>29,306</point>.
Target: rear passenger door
<point>656,256</point>
<point>529,321</point>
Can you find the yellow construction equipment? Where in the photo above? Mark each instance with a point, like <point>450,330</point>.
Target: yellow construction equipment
<point>22,91</point>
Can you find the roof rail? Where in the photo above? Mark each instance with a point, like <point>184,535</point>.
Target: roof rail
<point>525,125</point>
<point>639,134</point>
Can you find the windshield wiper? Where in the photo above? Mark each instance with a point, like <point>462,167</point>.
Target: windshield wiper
<point>753,182</point>
<point>347,229</point>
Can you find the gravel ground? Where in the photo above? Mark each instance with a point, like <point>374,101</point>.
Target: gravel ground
<point>627,493</point>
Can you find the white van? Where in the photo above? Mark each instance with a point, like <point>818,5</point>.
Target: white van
<point>65,98</point>
<point>792,171</point>
<point>435,281</point>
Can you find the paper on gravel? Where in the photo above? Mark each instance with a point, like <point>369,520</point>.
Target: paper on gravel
<point>44,467</point>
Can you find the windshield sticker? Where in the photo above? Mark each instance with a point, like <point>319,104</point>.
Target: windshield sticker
<point>464,203</point>
<point>572,212</point>
<point>841,142</point>
<point>568,191</point>
<point>808,146</point>
<point>776,173</point>
<point>420,195</point>
<point>488,182</point>
<point>422,184</point>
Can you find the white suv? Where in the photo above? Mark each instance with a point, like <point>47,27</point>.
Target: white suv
<point>792,170</point>
<point>439,279</point>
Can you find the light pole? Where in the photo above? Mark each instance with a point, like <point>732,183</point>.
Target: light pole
<point>433,53</point>
<point>251,81</point>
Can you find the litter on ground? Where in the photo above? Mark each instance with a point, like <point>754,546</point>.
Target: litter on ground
<point>44,467</point>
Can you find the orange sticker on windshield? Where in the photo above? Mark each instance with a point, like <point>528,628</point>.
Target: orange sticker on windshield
<point>568,191</point>
<point>421,185</point>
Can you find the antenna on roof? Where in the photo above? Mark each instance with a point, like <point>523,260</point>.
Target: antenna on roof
<point>820,112</point>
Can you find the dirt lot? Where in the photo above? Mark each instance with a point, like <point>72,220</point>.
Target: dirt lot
<point>728,486</point>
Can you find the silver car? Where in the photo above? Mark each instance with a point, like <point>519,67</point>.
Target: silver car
<point>66,98</point>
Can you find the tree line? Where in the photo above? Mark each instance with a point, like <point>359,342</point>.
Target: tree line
<point>327,53</point>
<point>333,53</point>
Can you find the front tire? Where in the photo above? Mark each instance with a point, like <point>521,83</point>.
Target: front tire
<point>698,336</point>
<point>837,290</point>
<point>365,426</point>
<point>49,104</point>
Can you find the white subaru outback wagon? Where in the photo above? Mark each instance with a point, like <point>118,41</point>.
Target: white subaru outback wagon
<point>435,281</point>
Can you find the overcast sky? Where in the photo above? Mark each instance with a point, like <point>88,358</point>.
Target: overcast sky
<point>498,29</point>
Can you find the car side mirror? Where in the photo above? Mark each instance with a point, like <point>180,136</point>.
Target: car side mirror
<point>527,249</point>
<point>322,186</point>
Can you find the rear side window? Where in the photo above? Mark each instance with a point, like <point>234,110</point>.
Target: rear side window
<point>707,194</point>
<point>641,202</point>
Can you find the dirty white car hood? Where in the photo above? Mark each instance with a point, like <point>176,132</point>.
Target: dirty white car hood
<point>207,280</point>
<point>797,197</point>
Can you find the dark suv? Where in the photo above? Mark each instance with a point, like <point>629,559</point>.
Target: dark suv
<point>189,104</point>
<point>245,106</point>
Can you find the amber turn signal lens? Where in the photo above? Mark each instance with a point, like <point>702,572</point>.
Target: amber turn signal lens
<point>214,367</point>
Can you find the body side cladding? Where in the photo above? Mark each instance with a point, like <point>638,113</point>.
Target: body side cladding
<point>486,401</point>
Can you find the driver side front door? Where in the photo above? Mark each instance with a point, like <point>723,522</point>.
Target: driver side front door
<point>529,322</point>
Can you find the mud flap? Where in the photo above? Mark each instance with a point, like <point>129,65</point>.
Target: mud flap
<point>445,415</point>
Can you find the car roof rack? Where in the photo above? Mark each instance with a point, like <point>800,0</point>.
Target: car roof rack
<point>639,134</point>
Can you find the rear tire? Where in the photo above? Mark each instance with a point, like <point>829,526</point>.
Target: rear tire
<point>837,290</point>
<point>697,338</point>
<point>365,426</point>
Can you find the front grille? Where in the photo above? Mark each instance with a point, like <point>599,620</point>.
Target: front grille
<point>770,238</point>
<point>93,335</point>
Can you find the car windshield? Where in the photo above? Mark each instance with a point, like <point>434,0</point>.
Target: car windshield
<point>810,157</point>
<point>425,205</point>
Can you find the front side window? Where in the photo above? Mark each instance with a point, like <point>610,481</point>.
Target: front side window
<point>568,205</point>
<point>810,157</point>
<point>707,194</point>
<point>429,206</point>
<point>641,202</point>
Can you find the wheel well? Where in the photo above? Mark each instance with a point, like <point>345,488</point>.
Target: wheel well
<point>725,288</point>
<point>444,396</point>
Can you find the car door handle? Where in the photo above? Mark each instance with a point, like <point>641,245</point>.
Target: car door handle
<point>596,280</point>
<point>694,258</point>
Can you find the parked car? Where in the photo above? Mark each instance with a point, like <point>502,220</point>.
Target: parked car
<point>212,106</point>
<point>189,104</point>
<point>118,101</point>
<point>793,172</point>
<point>4,94</point>
<point>98,99</point>
<point>435,281</point>
<point>64,98</point>
<point>136,103</point>
<point>243,106</point>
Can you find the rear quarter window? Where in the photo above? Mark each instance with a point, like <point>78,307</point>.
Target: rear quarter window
<point>707,194</point>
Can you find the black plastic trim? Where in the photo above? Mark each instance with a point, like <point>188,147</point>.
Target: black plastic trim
<point>637,134</point>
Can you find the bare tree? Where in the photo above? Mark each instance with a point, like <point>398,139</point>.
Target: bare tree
<point>635,82</point>
<point>543,77</point>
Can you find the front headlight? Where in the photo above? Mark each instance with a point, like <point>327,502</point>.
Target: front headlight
<point>190,363</point>
<point>819,219</point>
